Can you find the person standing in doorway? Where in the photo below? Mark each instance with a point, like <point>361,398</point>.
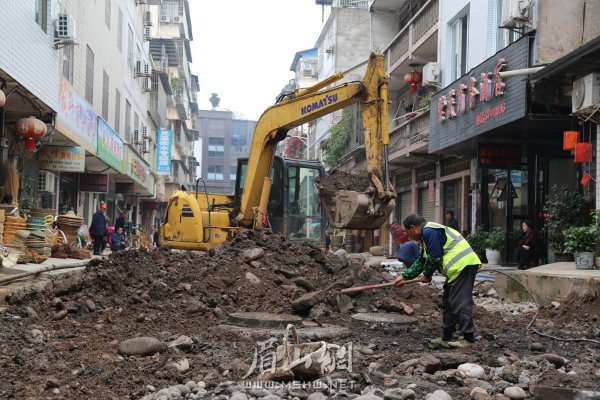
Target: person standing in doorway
<point>98,229</point>
<point>452,222</point>
<point>121,221</point>
<point>525,249</point>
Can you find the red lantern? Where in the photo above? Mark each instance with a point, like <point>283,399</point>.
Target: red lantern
<point>569,139</point>
<point>2,99</point>
<point>31,129</point>
<point>413,78</point>
<point>583,152</point>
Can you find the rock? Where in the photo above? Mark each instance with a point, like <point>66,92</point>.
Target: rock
<point>181,365</point>
<point>308,301</point>
<point>31,313</point>
<point>555,304</point>
<point>141,317</point>
<point>60,315</point>
<point>515,392</point>
<point>368,396</point>
<point>452,360</point>
<point>253,279</point>
<point>280,375</point>
<point>399,394</point>
<point>510,374</point>
<point>90,305</point>
<point>259,392</point>
<point>316,396</point>
<point>479,394</point>
<point>539,347</point>
<point>182,343</point>
<point>304,284</point>
<point>366,351</point>
<point>389,382</point>
<point>438,395</point>
<point>555,359</point>
<point>341,253</point>
<point>377,251</point>
<point>375,262</point>
<point>238,396</point>
<point>57,303</point>
<point>183,389</point>
<point>140,346</point>
<point>52,382</point>
<point>472,370</point>
<point>252,254</point>
<point>219,313</point>
<point>271,397</point>
<point>256,264</point>
<point>430,363</point>
<point>407,364</point>
<point>344,303</point>
<point>500,386</point>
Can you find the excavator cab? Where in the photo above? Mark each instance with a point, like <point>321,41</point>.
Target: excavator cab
<point>293,209</point>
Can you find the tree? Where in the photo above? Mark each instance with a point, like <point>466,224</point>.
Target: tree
<point>336,145</point>
<point>214,100</point>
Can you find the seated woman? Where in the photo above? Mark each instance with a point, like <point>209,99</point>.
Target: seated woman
<point>525,250</point>
<point>118,240</point>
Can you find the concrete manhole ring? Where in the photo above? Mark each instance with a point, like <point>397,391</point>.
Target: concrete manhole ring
<point>263,319</point>
<point>385,318</point>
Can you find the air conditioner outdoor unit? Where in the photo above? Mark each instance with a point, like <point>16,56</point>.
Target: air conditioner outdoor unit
<point>177,20</point>
<point>586,92</point>
<point>513,12</point>
<point>64,28</point>
<point>432,74</point>
<point>147,85</point>
<point>46,181</point>
<point>136,136</point>
<point>148,18</point>
<point>147,33</point>
<point>165,18</point>
<point>145,135</point>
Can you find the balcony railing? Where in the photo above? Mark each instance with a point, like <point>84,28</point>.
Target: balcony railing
<point>411,133</point>
<point>412,32</point>
<point>364,4</point>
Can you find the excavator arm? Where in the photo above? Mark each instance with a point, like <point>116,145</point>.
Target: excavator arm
<point>346,209</point>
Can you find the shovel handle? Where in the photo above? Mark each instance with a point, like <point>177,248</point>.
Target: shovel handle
<point>383,285</point>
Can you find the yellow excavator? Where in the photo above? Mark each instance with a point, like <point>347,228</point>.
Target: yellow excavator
<point>281,193</point>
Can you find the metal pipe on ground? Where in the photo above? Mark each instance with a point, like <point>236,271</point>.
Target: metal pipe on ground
<point>47,268</point>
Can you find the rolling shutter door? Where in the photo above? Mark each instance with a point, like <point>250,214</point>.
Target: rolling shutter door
<point>405,206</point>
<point>426,206</point>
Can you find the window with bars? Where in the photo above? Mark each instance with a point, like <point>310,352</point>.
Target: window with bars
<point>215,172</point>
<point>105,85</point>
<point>89,76</point>
<point>68,58</point>
<point>130,49</point>
<point>117,110</point>
<point>127,121</point>
<point>120,31</point>
<point>41,14</point>
<point>216,147</point>
<point>107,13</point>
<point>136,127</point>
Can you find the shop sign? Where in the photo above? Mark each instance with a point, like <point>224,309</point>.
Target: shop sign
<point>97,183</point>
<point>61,158</point>
<point>545,214</point>
<point>110,146</point>
<point>124,188</point>
<point>164,140</point>
<point>76,119</point>
<point>481,100</point>
<point>138,169</point>
<point>499,156</point>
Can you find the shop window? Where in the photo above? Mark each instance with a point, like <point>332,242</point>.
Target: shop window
<point>41,14</point>
<point>458,47</point>
<point>215,172</point>
<point>216,147</point>
<point>89,76</point>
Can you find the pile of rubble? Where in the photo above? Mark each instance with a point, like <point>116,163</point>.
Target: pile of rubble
<point>159,325</point>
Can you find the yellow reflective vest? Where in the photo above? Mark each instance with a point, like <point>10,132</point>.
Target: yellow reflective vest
<point>457,252</point>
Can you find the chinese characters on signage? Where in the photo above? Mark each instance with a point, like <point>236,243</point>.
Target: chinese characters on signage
<point>60,158</point>
<point>498,155</point>
<point>76,119</point>
<point>93,183</point>
<point>124,188</point>
<point>110,146</point>
<point>138,169</point>
<point>456,101</point>
<point>163,151</point>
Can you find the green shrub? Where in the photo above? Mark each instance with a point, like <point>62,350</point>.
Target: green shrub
<point>579,239</point>
<point>496,239</point>
<point>478,239</point>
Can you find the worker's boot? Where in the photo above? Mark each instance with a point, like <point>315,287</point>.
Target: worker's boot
<point>441,342</point>
<point>460,344</point>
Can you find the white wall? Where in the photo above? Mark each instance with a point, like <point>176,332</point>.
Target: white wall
<point>26,51</point>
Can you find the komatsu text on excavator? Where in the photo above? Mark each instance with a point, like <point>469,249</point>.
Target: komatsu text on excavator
<point>281,193</point>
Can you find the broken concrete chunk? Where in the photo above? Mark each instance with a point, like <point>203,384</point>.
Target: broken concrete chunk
<point>253,279</point>
<point>253,254</point>
<point>140,346</point>
<point>182,343</point>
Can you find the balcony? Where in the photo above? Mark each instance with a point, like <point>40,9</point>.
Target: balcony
<point>364,4</point>
<point>411,136</point>
<point>415,43</point>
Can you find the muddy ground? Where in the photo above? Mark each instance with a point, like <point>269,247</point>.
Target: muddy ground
<point>62,344</point>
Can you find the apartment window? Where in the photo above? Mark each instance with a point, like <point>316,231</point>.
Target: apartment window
<point>239,138</point>
<point>171,8</point>
<point>232,172</point>
<point>120,31</point>
<point>504,37</point>
<point>216,147</point>
<point>458,51</point>
<point>127,121</point>
<point>107,12</point>
<point>68,58</point>
<point>130,49</point>
<point>117,110</point>
<point>105,84</point>
<point>41,14</point>
<point>136,123</point>
<point>89,76</point>
<point>215,172</point>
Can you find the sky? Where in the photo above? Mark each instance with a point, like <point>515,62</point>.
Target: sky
<point>243,49</point>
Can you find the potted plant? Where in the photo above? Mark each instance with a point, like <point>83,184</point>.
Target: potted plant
<point>478,241</point>
<point>566,208</point>
<point>581,242</point>
<point>494,244</point>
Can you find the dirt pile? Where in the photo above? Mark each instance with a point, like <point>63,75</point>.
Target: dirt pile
<point>342,180</point>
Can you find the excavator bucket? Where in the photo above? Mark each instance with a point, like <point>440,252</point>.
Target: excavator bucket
<point>348,209</point>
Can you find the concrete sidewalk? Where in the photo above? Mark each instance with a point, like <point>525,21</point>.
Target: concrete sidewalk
<point>41,280</point>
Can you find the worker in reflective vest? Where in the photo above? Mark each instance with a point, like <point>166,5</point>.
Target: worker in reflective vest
<point>446,251</point>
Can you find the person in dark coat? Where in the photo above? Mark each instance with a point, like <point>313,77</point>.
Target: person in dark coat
<point>121,220</point>
<point>98,229</point>
<point>117,240</point>
<point>452,222</point>
<point>7,199</point>
<point>525,249</point>
<point>408,253</point>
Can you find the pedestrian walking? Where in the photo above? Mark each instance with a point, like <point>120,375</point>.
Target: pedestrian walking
<point>452,222</point>
<point>445,250</point>
<point>526,248</point>
<point>98,229</point>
